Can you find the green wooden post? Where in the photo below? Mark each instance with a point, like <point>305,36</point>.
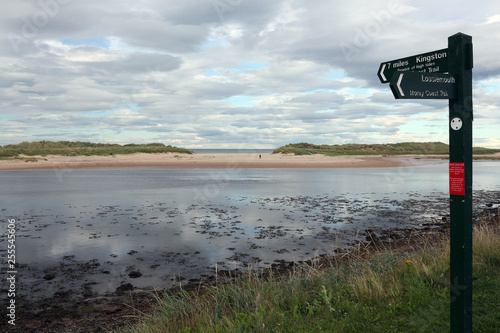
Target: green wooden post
<point>460,63</point>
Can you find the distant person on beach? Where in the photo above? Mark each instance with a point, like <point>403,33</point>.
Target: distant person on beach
<point>260,156</point>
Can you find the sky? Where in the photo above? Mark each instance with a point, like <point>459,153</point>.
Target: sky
<point>234,73</point>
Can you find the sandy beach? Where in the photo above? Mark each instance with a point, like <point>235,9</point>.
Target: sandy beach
<point>215,161</point>
<point>202,161</point>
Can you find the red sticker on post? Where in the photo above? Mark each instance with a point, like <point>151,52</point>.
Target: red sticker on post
<point>457,179</point>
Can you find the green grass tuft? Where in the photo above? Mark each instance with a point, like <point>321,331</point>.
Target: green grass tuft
<point>403,148</point>
<point>69,148</point>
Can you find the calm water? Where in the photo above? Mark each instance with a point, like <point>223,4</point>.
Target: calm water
<point>95,226</point>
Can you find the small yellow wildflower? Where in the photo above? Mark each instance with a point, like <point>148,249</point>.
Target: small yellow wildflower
<point>408,262</point>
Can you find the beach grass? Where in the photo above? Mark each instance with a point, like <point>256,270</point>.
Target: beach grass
<point>370,289</point>
<point>402,148</point>
<point>78,148</point>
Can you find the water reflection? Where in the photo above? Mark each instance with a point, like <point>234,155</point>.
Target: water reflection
<point>96,226</point>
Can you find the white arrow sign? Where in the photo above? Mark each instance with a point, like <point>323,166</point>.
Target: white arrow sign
<point>382,69</point>
<point>399,84</point>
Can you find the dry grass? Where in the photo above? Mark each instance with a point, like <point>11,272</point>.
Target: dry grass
<point>380,289</point>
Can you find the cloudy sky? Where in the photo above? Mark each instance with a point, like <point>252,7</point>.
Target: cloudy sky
<point>233,73</point>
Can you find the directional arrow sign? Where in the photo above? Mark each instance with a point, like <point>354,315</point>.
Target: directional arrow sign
<point>430,62</point>
<point>415,85</point>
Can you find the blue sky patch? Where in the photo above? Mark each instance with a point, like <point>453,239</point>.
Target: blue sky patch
<point>213,42</point>
<point>490,87</point>
<point>244,101</point>
<point>248,66</point>
<point>335,75</point>
<point>98,42</point>
<point>211,73</point>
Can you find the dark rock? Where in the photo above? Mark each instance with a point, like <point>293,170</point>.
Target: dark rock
<point>134,274</point>
<point>49,276</point>
<point>123,288</point>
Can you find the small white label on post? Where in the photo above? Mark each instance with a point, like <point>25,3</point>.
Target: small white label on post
<point>456,124</point>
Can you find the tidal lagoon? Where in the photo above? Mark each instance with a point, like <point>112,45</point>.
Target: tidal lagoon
<point>90,231</point>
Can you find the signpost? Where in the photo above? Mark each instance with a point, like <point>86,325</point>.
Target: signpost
<point>460,118</point>
<point>430,62</point>
<point>412,85</point>
<point>408,80</point>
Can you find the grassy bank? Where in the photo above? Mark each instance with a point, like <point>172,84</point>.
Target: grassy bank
<point>370,289</point>
<point>67,148</point>
<point>403,148</point>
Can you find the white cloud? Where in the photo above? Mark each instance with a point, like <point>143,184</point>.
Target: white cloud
<point>272,71</point>
<point>493,19</point>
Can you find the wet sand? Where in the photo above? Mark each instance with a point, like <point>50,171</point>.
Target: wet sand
<point>202,161</point>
